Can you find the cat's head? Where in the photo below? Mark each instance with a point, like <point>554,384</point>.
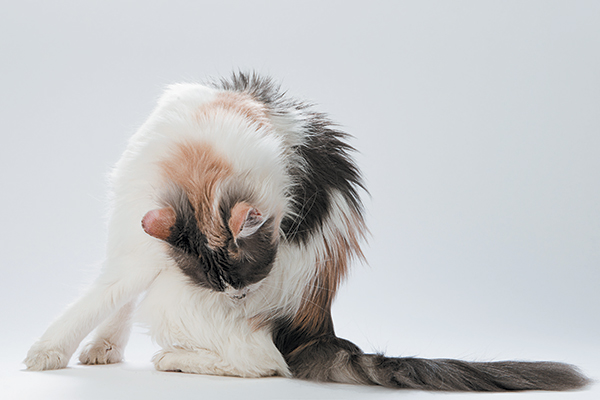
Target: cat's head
<point>235,250</point>
<point>220,211</point>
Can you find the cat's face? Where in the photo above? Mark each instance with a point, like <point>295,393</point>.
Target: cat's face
<point>238,251</point>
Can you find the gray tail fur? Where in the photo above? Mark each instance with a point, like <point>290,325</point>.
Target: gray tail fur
<point>332,359</point>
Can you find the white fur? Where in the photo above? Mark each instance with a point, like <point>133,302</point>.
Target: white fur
<point>200,331</point>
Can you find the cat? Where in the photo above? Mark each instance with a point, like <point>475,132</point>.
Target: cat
<point>236,213</point>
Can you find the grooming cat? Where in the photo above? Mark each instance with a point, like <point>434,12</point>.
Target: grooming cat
<point>236,213</point>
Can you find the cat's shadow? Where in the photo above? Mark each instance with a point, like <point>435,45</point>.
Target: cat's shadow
<point>133,380</point>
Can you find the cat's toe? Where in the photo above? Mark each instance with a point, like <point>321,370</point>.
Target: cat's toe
<point>166,361</point>
<point>40,359</point>
<point>101,352</point>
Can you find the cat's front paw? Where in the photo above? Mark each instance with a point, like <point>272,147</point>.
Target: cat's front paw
<point>40,358</point>
<point>101,352</point>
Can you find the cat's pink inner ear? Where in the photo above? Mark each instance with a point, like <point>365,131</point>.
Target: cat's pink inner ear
<point>245,220</point>
<point>158,223</point>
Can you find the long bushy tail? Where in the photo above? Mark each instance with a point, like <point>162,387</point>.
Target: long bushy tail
<point>332,359</point>
<point>417,373</point>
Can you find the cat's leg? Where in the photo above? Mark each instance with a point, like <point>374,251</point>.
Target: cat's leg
<point>110,338</point>
<point>202,361</point>
<point>192,361</point>
<point>123,280</point>
<point>242,352</point>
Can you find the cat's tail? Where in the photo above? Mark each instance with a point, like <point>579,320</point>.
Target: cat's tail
<point>332,359</point>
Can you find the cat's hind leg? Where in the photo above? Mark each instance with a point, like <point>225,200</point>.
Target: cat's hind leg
<point>110,338</point>
<point>246,362</point>
<point>192,361</point>
<point>201,361</point>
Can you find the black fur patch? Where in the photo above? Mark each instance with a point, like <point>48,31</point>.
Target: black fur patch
<point>288,338</point>
<point>327,167</point>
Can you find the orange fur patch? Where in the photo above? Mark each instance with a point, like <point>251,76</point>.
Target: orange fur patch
<point>198,169</point>
<point>238,103</point>
<point>314,315</point>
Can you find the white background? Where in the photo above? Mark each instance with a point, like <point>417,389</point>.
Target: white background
<point>478,127</point>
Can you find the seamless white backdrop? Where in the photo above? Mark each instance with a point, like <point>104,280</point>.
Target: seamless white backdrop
<point>478,127</point>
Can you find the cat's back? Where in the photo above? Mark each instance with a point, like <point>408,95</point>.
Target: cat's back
<point>231,125</point>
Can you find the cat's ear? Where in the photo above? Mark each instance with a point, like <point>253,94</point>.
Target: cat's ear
<point>245,220</point>
<point>158,223</point>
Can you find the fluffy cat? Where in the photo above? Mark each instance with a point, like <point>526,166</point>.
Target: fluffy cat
<point>236,214</point>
